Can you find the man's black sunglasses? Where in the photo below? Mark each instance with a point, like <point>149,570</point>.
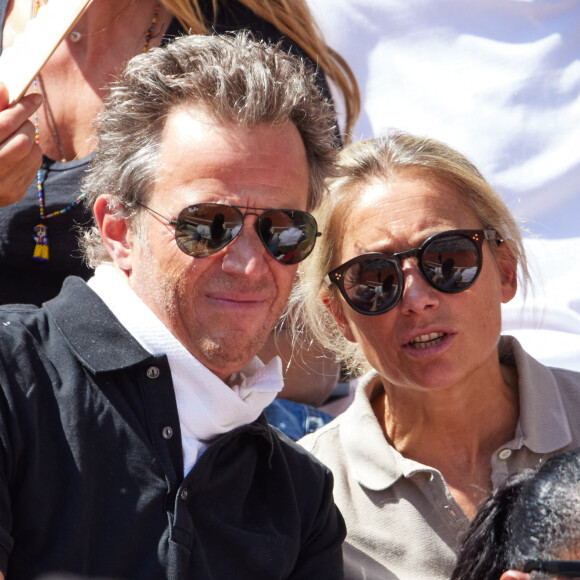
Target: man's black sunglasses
<point>449,261</point>
<point>566,568</point>
<point>202,229</point>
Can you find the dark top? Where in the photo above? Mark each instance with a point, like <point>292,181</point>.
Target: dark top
<point>22,278</point>
<point>91,466</point>
<point>26,280</point>
<point>235,16</point>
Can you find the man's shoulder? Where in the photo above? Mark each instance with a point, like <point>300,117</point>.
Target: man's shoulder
<point>262,454</point>
<point>282,452</point>
<point>18,320</point>
<point>18,312</point>
<point>296,451</point>
<point>311,478</point>
<point>73,297</point>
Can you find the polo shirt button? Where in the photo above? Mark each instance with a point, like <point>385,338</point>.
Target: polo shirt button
<point>505,453</point>
<point>153,372</point>
<point>167,432</point>
<point>184,494</point>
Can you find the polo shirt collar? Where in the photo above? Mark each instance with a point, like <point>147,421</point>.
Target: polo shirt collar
<point>543,425</point>
<point>374,462</point>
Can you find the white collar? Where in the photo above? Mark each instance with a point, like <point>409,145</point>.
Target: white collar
<point>206,405</point>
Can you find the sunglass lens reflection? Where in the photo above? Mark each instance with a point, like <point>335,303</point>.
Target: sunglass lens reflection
<point>205,229</point>
<point>372,285</point>
<point>287,234</point>
<point>451,263</point>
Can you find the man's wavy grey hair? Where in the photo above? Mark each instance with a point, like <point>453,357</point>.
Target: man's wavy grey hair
<point>233,78</point>
<point>361,165</point>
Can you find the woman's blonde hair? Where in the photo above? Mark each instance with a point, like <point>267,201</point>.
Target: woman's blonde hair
<point>360,165</point>
<point>293,19</point>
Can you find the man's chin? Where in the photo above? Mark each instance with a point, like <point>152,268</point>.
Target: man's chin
<point>231,353</point>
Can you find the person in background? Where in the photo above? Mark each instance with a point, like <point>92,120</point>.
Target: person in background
<point>40,183</point>
<point>529,528</point>
<point>132,439</point>
<point>447,409</point>
<point>288,21</point>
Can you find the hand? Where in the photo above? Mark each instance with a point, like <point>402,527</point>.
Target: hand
<point>20,156</point>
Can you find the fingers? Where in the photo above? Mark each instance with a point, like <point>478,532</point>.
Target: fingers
<point>20,156</point>
<point>16,177</point>
<point>4,97</point>
<point>13,117</point>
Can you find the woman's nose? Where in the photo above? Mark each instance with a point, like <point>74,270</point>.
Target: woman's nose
<point>418,294</point>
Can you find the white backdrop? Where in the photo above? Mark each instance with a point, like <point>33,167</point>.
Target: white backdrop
<point>499,80</point>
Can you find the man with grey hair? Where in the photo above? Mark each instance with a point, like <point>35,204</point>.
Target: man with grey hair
<point>132,440</point>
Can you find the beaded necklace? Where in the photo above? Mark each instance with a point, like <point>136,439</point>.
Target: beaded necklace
<point>40,231</point>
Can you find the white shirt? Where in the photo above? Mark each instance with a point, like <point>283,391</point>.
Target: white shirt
<point>206,405</point>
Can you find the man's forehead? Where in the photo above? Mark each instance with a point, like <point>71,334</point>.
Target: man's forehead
<point>211,160</point>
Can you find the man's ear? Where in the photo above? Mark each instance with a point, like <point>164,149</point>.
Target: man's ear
<point>508,271</point>
<point>514,575</point>
<point>115,232</point>
<point>335,308</point>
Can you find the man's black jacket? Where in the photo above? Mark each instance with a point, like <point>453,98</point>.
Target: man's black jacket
<point>91,471</point>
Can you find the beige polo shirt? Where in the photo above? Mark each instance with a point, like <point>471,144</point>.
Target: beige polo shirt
<point>401,519</point>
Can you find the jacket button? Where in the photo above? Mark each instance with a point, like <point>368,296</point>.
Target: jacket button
<point>184,494</point>
<point>167,432</point>
<point>153,372</point>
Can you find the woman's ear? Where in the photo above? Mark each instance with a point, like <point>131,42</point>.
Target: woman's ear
<point>514,575</point>
<point>508,271</point>
<point>115,232</point>
<point>335,308</point>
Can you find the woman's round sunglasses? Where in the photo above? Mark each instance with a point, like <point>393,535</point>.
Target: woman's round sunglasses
<point>202,229</point>
<point>449,261</point>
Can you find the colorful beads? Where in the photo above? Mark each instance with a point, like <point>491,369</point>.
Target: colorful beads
<point>41,248</point>
<point>153,23</point>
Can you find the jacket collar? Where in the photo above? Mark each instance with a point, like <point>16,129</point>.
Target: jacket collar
<point>97,338</point>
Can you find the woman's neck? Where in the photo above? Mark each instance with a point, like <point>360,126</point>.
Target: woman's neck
<point>467,421</point>
<point>120,26</point>
<point>453,430</point>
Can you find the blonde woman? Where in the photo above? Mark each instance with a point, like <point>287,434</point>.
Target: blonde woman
<point>406,284</point>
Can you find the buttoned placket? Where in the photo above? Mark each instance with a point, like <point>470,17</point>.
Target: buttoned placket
<point>452,514</point>
<point>163,419</point>
<point>500,461</point>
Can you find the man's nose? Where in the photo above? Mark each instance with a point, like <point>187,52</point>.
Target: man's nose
<point>246,254</point>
